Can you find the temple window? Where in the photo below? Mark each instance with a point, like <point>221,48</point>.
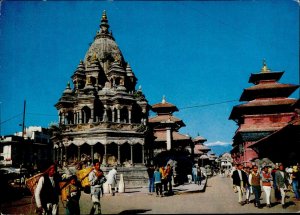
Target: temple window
<point>124,115</point>
<point>86,114</point>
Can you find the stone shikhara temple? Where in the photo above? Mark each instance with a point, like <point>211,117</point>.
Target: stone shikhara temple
<point>103,116</point>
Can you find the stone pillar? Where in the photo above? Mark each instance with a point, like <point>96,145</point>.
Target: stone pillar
<point>91,120</point>
<point>105,118</point>
<point>129,116</point>
<point>131,154</point>
<point>168,133</point>
<point>75,118</point>
<point>104,156</point>
<point>63,118</point>
<point>119,155</point>
<point>80,117</point>
<point>66,153</point>
<point>143,154</point>
<point>118,115</point>
<point>78,155</point>
<point>92,153</point>
<point>113,115</point>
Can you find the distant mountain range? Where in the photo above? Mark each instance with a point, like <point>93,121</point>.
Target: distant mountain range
<point>220,149</point>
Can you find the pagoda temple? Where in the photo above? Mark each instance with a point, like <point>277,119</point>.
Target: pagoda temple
<point>103,116</point>
<point>267,109</point>
<point>166,127</point>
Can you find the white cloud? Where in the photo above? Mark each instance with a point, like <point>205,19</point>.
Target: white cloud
<point>217,143</point>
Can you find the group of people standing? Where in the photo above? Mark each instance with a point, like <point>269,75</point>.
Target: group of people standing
<point>247,181</point>
<point>160,180</point>
<point>48,190</point>
<point>197,174</point>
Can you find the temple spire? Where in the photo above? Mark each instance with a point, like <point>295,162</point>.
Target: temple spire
<point>104,23</point>
<point>264,69</point>
<point>163,99</point>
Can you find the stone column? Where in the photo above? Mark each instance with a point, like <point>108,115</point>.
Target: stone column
<point>92,153</point>
<point>131,154</point>
<point>129,116</point>
<point>75,118</point>
<point>78,155</point>
<point>104,156</point>
<point>119,155</point>
<point>143,154</point>
<point>105,118</point>
<point>168,133</point>
<point>80,117</point>
<point>66,153</point>
<point>63,118</point>
<point>118,115</point>
<point>113,115</point>
<point>91,120</point>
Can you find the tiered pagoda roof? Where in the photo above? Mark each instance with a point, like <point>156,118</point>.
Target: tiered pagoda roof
<point>164,119</point>
<point>267,96</point>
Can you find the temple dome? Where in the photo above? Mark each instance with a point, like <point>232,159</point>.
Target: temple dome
<point>104,46</point>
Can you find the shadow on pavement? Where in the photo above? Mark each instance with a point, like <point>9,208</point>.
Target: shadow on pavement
<point>289,203</point>
<point>135,211</point>
<point>136,191</point>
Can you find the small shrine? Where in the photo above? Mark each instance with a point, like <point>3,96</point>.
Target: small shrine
<point>165,127</point>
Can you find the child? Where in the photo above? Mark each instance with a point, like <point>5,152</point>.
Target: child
<point>73,195</point>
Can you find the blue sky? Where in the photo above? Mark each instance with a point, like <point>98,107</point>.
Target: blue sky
<point>196,53</point>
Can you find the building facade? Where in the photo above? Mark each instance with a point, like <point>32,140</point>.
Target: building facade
<point>266,110</point>
<point>102,116</point>
<point>30,149</point>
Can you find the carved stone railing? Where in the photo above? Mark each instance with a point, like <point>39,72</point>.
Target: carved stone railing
<point>104,125</point>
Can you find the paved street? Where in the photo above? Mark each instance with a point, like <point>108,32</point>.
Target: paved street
<point>217,198</point>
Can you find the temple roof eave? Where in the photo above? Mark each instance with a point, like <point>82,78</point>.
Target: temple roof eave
<point>255,77</point>
<point>268,90</point>
<point>239,110</point>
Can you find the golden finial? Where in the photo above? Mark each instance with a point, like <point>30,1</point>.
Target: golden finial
<point>264,68</point>
<point>104,17</point>
<point>163,100</point>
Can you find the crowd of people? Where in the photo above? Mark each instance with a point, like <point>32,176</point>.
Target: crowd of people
<point>51,185</point>
<point>160,180</point>
<point>253,180</point>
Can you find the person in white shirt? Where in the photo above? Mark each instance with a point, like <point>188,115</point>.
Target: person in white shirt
<point>96,179</point>
<point>112,180</point>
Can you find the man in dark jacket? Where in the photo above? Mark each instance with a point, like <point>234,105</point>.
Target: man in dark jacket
<point>47,192</point>
<point>240,181</point>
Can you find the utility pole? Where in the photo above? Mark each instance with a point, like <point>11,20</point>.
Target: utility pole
<point>23,123</point>
<point>0,120</point>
